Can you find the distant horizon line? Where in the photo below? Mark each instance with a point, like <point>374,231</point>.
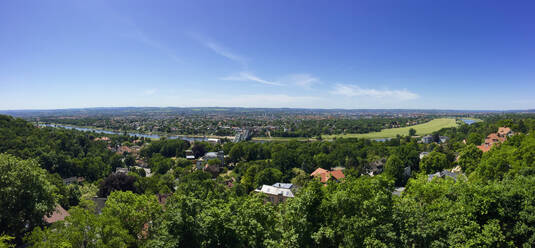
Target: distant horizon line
<point>291,108</point>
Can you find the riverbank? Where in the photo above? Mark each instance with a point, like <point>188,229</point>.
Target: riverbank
<point>152,136</point>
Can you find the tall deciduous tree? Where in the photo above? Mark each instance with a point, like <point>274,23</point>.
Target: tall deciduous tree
<point>82,229</point>
<point>198,149</point>
<point>136,212</point>
<point>25,195</point>
<point>469,158</point>
<point>394,168</point>
<point>117,181</point>
<point>433,162</point>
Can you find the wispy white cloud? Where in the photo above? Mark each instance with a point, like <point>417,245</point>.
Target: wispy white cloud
<point>301,80</point>
<point>220,49</point>
<point>353,90</point>
<point>217,48</point>
<point>248,76</point>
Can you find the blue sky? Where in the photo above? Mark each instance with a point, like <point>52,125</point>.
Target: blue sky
<point>312,54</point>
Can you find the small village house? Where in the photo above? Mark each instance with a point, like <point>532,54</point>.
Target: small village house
<point>496,138</point>
<point>325,175</point>
<point>277,192</point>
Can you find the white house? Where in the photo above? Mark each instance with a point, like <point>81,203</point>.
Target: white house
<point>274,194</point>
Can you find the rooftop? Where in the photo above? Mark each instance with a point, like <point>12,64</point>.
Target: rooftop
<point>59,214</point>
<point>272,190</point>
<point>283,185</point>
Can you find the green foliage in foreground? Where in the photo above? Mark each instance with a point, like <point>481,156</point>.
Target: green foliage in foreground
<point>124,222</point>
<point>445,213</point>
<point>493,206</point>
<point>4,241</point>
<point>83,229</point>
<point>25,195</point>
<point>135,212</point>
<point>483,210</point>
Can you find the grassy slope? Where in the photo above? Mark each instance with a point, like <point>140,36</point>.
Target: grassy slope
<point>421,129</point>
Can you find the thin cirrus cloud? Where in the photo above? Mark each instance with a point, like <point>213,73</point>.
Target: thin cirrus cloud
<point>248,76</point>
<point>301,80</point>
<point>353,90</point>
<point>219,49</point>
<point>224,51</point>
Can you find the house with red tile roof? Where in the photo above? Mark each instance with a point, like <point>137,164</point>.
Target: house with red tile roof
<point>495,138</point>
<point>318,171</point>
<point>325,175</point>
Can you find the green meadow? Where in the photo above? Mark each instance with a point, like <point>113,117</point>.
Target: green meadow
<point>421,129</point>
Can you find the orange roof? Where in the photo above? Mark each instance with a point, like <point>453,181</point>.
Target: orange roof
<point>493,136</point>
<point>59,214</point>
<point>484,148</point>
<point>491,140</point>
<point>325,175</point>
<point>318,171</point>
<point>338,174</point>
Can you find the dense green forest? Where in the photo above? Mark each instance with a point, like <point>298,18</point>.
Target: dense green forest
<point>491,204</point>
<point>66,152</point>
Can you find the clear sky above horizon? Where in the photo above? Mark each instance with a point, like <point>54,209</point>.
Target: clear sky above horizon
<point>311,54</point>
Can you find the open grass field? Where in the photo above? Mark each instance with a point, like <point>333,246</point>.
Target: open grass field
<point>421,129</point>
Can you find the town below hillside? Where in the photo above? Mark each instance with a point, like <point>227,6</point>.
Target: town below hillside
<point>411,180</point>
<point>251,123</point>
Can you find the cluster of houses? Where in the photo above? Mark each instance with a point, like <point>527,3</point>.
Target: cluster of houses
<point>204,163</point>
<point>496,138</point>
<point>279,192</point>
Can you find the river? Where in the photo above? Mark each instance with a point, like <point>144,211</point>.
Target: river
<point>152,136</point>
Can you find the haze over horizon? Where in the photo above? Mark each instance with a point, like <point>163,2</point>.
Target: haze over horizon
<point>457,55</point>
